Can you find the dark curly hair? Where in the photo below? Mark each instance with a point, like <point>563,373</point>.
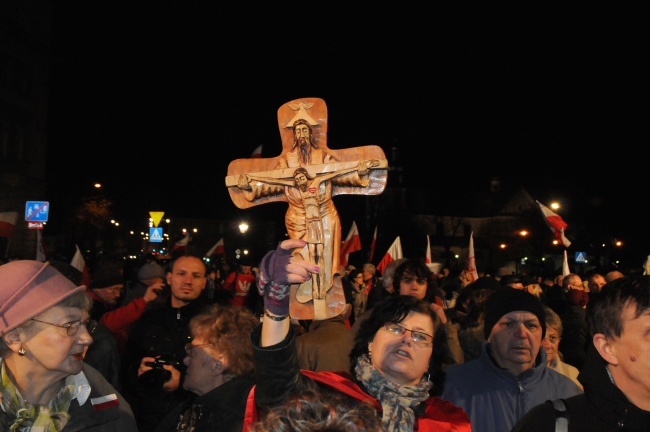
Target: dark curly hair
<point>391,309</point>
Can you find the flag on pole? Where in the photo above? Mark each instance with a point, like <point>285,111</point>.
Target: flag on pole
<point>471,258</point>
<point>79,263</point>
<point>257,153</point>
<point>352,243</point>
<point>217,249</point>
<point>182,243</point>
<point>371,253</point>
<point>8,223</point>
<point>40,248</point>
<point>427,255</point>
<point>565,265</point>
<point>555,223</point>
<point>394,253</point>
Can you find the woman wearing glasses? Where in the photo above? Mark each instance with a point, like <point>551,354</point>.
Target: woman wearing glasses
<point>220,367</point>
<point>46,330</point>
<point>390,358</point>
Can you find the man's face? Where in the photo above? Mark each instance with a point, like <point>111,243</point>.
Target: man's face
<point>632,351</point>
<point>301,181</point>
<point>515,341</point>
<point>187,280</point>
<point>596,282</point>
<point>110,295</point>
<point>302,134</point>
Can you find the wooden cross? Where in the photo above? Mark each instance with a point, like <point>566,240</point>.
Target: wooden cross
<point>307,174</point>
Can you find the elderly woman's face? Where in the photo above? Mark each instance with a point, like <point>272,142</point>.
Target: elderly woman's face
<point>397,357</point>
<point>202,367</point>
<point>51,348</point>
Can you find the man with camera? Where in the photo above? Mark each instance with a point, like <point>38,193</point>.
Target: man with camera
<point>156,345</point>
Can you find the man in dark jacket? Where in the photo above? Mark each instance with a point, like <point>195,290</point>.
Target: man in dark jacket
<point>616,373</point>
<point>160,335</point>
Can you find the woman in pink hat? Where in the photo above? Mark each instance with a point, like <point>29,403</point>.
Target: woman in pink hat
<point>46,330</point>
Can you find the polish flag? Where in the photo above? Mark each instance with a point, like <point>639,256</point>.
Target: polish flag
<point>394,253</point>
<point>216,249</point>
<point>257,153</point>
<point>182,243</point>
<point>8,223</point>
<point>372,246</point>
<point>427,256</point>
<point>471,258</point>
<point>79,263</point>
<point>352,243</point>
<point>555,223</point>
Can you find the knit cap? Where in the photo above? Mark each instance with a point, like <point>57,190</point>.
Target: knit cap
<point>151,270</point>
<point>506,300</point>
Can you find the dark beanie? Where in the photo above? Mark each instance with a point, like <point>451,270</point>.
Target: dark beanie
<point>506,300</point>
<point>107,275</point>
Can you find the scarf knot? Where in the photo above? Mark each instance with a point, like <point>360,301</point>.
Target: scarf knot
<point>397,401</point>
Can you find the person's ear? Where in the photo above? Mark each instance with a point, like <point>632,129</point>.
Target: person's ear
<point>605,348</point>
<point>12,340</point>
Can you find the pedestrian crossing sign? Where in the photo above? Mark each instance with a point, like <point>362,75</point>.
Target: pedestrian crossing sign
<point>155,235</point>
<point>581,257</point>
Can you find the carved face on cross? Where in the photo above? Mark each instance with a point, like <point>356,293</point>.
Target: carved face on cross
<point>303,138</point>
<point>301,177</point>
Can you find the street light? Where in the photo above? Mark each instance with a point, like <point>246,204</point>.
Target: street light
<point>243,227</point>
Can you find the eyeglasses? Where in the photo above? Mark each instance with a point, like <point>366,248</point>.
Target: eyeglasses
<point>189,348</point>
<point>421,339</point>
<point>72,327</point>
<point>551,339</point>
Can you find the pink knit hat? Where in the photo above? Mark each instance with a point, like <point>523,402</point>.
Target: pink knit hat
<point>29,288</point>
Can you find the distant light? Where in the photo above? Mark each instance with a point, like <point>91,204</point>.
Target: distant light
<point>523,233</point>
<point>503,245</point>
<point>98,185</point>
<point>243,227</point>
<point>555,205</point>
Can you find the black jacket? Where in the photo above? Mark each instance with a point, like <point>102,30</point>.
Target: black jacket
<point>221,409</point>
<point>602,408</point>
<point>160,331</point>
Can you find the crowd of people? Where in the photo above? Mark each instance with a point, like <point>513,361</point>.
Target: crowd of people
<point>184,346</point>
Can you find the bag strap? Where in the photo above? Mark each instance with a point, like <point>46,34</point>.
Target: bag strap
<point>561,416</point>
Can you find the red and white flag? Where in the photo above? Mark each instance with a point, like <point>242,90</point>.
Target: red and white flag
<point>182,243</point>
<point>79,263</point>
<point>427,256</point>
<point>394,253</point>
<point>565,265</point>
<point>555,223</point>
<point>371,253</point>
<point>217,249</point>
<point>257,153</point>
<point>471,258</point>
<point>8,223</point>
<point>352,243</point>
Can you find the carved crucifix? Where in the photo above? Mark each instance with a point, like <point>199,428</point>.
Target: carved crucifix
<point>307,175</point>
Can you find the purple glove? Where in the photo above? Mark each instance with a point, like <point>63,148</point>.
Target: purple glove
<point>274,284</point>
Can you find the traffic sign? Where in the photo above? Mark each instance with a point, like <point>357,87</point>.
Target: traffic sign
<point>37,211</point>
<point>35,225</point>
<point>581,257</point>
<point>155,235</point>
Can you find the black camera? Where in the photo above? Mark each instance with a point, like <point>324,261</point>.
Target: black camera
<point>153,380</point>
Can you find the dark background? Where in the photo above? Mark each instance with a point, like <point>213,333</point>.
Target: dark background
<point>156,99</point>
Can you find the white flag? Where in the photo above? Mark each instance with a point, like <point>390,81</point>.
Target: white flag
<point>257,153</point>
<point>394,253</point>
<point>471,258</point>
<point>565,265</point>
<point>78,260</point>
<point>427,256</point>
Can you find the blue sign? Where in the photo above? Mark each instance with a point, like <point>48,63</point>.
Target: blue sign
<point>581,257</point>
<point>37,211</point>
<point>155,235</point>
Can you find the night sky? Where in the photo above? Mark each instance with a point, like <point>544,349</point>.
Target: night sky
<point>157,99</point>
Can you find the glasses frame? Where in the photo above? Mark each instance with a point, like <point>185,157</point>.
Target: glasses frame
<point>425,344</point>
<point>72,327</point>
<point>189,348</point>
<point>548,338</point>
